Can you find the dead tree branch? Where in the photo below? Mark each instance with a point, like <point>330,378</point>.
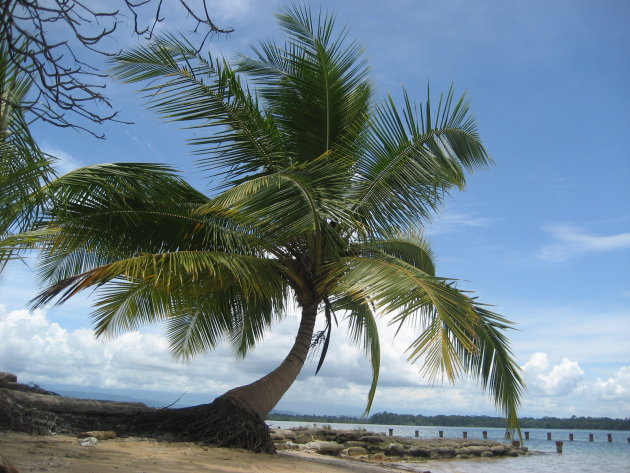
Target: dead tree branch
<point>57,43</point>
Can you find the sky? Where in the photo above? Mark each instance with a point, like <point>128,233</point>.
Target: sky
<point>543,235</point>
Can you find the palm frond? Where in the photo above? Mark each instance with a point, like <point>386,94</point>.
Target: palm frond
<point>364,333</point>
<point>198,314</point>
<point>105,212</point>
<point>394,286</point>
<point>316,85</point>
<point>457,336</point>
<point>413,158</point>
<point>172,270</point>
<point>24,168</point>
<point>210,94</point>
<point>412,248</point>
<point>494,366</point>
<point>286,205</point>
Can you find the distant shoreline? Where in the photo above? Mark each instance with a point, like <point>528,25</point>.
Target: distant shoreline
<point>387,418</point>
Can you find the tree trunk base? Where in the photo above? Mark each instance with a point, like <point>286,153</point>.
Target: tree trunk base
<point>223,423</point>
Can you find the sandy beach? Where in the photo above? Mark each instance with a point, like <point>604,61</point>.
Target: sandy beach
<point>61,453</point>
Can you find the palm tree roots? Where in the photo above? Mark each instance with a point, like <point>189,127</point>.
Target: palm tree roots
<point>223,423</point>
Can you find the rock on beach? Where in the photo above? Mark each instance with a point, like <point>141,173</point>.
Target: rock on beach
<point>367,446</point>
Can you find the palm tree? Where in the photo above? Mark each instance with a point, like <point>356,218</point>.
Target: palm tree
<point>324,196</point>
<point>24,168</point>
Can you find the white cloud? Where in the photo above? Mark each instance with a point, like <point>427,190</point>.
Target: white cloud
<point>44,352</point>
<point>538,362</point>
<point>41,351</point>
<point>570,241</point>
<point>564,389</point>
<point>557,380</point>
<point>449,223</point>
<point>616,388</point>
<point>65,161</point>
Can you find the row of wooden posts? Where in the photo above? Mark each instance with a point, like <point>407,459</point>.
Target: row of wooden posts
<point>516,443</point>
<point>508,436</point>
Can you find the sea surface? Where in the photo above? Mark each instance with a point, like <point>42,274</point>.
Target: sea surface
<point>579,456</point>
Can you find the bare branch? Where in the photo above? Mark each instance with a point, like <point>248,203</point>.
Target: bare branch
<point>56,44</point>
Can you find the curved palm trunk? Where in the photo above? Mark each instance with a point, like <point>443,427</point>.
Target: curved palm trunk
<point>236,419</point>
<point>261,396</point>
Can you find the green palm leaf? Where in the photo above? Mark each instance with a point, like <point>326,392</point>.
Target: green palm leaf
<point>456,336</point>
<point>24,168</point>
<point>316,86</point>
<point>412,159</point>
<point>364,333</point>
<point>209,93</point>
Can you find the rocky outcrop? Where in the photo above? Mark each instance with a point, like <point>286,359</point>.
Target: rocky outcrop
<point>363,445</point>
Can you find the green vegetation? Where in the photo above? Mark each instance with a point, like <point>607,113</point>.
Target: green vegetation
<point>388,418</point>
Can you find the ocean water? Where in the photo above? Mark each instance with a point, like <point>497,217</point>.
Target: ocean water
<point>579,456</point>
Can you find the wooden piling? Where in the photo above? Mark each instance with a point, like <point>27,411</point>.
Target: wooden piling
<point>485,434</point>
<point>465,435</point>
<point>391,432</point>
<point>548,435</point>
<point>441,433</point>
<point>526,435</point>
<point>610,437</point>
<point>559,444</point>
<point>571,437</point>
<point>590,437</point>
<point>417,433</point>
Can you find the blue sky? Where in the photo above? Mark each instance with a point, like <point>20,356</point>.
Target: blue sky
<point>544,234</point>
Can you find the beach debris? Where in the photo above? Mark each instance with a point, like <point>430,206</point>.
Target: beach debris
<point>98,434</point>
<point>88,441</point>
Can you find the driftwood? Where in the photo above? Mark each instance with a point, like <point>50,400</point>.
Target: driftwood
<point>70,405</point>
<point>29,408</point>
<point>6,377</point>
<point>26,388</point>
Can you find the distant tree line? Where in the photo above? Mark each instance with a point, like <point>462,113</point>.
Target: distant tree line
<point>389,418</point>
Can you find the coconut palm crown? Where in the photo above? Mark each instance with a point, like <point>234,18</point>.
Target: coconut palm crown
<point>324,195</point>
